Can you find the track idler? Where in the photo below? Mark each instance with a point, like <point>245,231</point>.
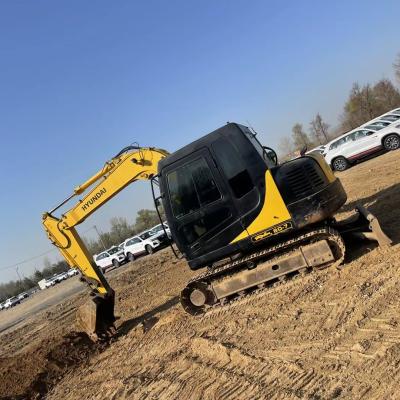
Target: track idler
<point>96,317</point>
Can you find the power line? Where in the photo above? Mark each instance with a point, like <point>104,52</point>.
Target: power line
<point>42,254</point>
<point>27,260</point>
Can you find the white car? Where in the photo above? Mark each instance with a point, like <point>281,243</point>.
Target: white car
<point>23,295</point>
<point>112,257</point>
<point>11,302</point>
<point>72,272</point>
<point>360,143</point>
<point>320,150</point>
<point>140,244</point>
<point>158,230</point>
<point>50,282</point>
<point>390,116</point>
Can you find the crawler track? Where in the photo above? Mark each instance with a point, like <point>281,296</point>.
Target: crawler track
<point>203,284</point>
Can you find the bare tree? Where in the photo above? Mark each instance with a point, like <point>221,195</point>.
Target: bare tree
<point>319,130</point>
<point>300,138</point>
<point>365,103</point>
<point>285,145</point>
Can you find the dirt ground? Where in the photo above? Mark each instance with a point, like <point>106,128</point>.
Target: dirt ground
<point>329,335</point>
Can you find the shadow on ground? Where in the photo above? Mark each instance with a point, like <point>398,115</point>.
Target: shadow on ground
<point>148,319</point>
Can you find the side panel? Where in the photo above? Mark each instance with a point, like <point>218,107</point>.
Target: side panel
<point>273,212</point>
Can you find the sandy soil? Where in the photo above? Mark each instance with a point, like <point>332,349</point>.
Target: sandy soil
<point>331,334</point>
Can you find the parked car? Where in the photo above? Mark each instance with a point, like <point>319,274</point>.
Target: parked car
<point>1,306</point>
<point>23,295</point>
<point>378,125</point>
<point>319,150</point>
<point>140,244</point>
<point>72,272</point>
<point>50,282</point>
<point>112,257</point>
<point>11,302</point>
<point>397,111</point>
<point>159,229</point>
<point>57,278</point>
<point>390,118</point>
<point>360,143</point>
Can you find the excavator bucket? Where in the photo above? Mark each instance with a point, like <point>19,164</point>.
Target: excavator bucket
<point>364,225</point>
<point>96,318</point>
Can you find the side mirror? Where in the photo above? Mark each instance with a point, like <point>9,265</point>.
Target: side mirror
<point>270,154</point>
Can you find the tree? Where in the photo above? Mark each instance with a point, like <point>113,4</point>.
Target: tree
<point>319,130</point>
<point>285,146</point>
<point>365,103</point>
<point>37,276</point>
<point>120,229</point>
<point>386,95</point>
<point>396,67</point>
<point>146,219</point>
<point>300,138</point>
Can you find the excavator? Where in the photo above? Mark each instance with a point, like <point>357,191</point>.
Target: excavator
<point>233,211</point>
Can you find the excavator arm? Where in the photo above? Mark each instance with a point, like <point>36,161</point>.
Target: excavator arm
<point>129,165</point>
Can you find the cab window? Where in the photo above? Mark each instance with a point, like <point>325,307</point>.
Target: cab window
<point>191,187</point>
<point>233,167</point>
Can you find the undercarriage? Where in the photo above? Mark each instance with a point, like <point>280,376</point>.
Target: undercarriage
<point>316,248</point>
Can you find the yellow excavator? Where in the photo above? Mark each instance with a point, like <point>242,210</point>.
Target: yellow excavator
<point>231,209</point>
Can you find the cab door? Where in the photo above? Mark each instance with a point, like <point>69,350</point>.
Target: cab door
<point>204,217</point>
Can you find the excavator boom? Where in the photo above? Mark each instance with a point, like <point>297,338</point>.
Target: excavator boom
<point>129,165</point>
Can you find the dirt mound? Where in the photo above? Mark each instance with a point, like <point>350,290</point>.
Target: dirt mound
<point>31,375</point>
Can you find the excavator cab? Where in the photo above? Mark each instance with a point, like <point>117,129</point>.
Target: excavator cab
<point>223,189</point>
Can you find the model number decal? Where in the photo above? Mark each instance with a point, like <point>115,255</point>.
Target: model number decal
<point>272,231</point>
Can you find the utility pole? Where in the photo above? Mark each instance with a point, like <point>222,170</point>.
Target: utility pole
<point>101,240</point>
<point>19,276</point>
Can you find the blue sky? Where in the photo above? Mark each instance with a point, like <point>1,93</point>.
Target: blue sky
<point>80,80</point>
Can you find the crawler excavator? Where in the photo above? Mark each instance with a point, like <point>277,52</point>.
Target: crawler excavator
<point>233,211</point>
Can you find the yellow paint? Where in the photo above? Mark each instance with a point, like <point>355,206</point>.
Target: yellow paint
<point>273,212</point>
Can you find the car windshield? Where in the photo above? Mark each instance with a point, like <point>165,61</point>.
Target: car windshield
<point>113,250</point>
<point>391,117</point>
<point>374,127</point>
<point>145,235</point>
<point>381,123</point>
